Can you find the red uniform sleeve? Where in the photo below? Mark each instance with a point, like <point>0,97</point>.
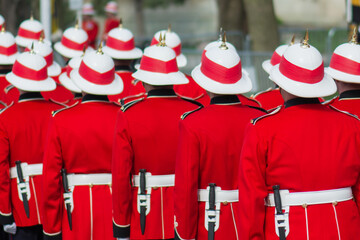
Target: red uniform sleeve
<point>52,184</point>
<point>6,216</point>
<point>186,184</point>
<point>121,174</point>
<point>356,188</point>
<point>252,187</point>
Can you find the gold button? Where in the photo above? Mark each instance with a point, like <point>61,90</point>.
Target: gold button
<point>91,185</point>
<point>225,203</point>
<point>304,205</point>
<point>335,203</point>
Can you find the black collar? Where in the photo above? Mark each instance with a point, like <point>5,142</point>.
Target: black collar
<point>124,68</point>
<point>5,71</point>
<point>93,97</point>
<point>30,95</point>
<point>161,92</point>
<point>350,94</point>
<point>299,101</point>
<point>225,99</point>
<point>78,95</point>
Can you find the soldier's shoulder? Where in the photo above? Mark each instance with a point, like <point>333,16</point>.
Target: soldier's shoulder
<point>344,112</point>
<point>190,100</point>
<point>128,105</point>
<point>262,92</point>
<point>6,107</point>
<point>186,114</point>
<point>270,114</point>
<point>54,113</point>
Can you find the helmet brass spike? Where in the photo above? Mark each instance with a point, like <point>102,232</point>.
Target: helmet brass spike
<point>160,40</point>
<point>169,27</point>
<point>354,36</point>
<point>121,23</point>
<point>223,44</point>
<point>99,51</point>
<point>77,23</point>
<point>32,49</point>
<point>31,15</point>
<point>42,36</point>
<point>305,42</point>
<point>292,40</point>
<point>220,34</point>
<point>3,28</point>
<point>83,51</point>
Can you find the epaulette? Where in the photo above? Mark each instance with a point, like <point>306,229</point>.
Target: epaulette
<point>254,121</point>
<point>130,104</point>
<point>344,112</point>
<point>258,108</point>
<point>59,103</point>
<point>192,101</point>
<point>53,113</point>
<point>190,112</point>
<point>7,107</point>
<point>261,92</point>
<point>330,101</point>
<point>8,88</point>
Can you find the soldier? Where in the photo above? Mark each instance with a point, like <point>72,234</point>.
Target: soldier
<point>72,44</point>
<point>89,24</point>
<point>111,22</point>
<point>303,159</point>
<point>191,90</point>
<point>77,160</point>
<point>120,45</point>
<point>271,98</point>
<point>8,54</point>
<point>23,127</point>
<point>209,150</point>
<point>30,30</point>
<point>144,151</point>
<point>344,69</point>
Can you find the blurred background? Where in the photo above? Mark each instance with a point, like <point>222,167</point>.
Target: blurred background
<point>255,27</point>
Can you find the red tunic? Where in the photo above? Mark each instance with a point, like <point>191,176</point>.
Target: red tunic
<point>60,95</point>
<point>209,152</point>
<point>248,101</point>
<point>91,27</point>
<point>192,91</point>
<point>110,23</point>
<point>348,101</point>
<point>305,146</point>
<point>146,138</point>
<point>269,99</point>
<point>23,128</point>
<point>80,140</point>
<point>132,87</point>
<point>8,93</point>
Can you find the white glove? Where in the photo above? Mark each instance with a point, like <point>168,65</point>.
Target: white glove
<point>10,228</point>
<point>123,238</point>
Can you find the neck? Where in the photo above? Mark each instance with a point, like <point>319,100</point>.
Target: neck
<point>149,87</point>
<point>286,95</point>
<point>343,86</point>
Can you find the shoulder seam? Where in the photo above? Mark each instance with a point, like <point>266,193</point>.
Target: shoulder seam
<point>130,104</point>
<point>344,112</point>
<point>254,121</point>
<point>7,107</point>
<point>59,103</point>
<point>190,112</point>
<point>191,101</point>
<point>258,108</point>
<point>53,113</point>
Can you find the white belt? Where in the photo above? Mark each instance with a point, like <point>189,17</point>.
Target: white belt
<point>311,198</point>
<point>28,170</point>
<point>155,180</point>
<point>221,196</point>
<point>89,179</point>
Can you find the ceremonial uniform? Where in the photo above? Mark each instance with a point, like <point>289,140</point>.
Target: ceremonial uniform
<point>192,91</point>
<point>278,151</point>
<point>348,101</point>
<point>91,27</point>
<point>136,147</point>
<point>60,95</point>
<point>23,128</point>
<point>8,94</point>
<point>209,151</point>
<point>94,120</point>
<point>269,99</point>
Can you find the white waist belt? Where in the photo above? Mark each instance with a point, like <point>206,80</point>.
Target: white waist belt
<point>311,198</point>
<point>155,180</point>
<point>27,170</point>
<point>89,179</point>
<point>221,196</point>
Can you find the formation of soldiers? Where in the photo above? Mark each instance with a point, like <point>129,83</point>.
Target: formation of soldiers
<point>95,151</point>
